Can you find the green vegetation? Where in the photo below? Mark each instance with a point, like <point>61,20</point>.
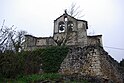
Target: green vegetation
<point>82,81</point>
<point>24,67</point>
<point>37,77</point>
<point>52,57</point>
<point>33,78</point>
<point>26,63</point>
<point>14,64</point>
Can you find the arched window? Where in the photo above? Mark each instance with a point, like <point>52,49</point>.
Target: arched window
<point>61,26</point>
<point>70,25</point>
<point>65,18</point>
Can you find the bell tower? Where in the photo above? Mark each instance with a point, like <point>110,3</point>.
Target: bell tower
<point>69,30</point>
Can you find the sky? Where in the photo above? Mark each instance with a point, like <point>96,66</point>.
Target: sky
<point>105,17</point>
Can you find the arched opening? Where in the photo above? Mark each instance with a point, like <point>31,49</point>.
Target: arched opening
<point>61,27</point>
<point>70,25</point>
<point>65,18</point>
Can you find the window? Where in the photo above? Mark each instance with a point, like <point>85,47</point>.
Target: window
<point>65,18</point>
<point>70,25</point>
<point>61,26</point>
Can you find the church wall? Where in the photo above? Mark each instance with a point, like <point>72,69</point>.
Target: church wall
<point>82,33</point>
<point>70,35</point>
<point>62,19</point>
<point>74,23</point>
<point>56,29</point>
<point>30,42</point>
<point>72,40</point>
<point>94,40</point>
<point>41,42</point>
<point>50,41</point>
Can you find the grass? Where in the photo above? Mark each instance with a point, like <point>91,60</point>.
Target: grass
<point>32,78</point>
<point>39,77</point>
<point>82,81</point>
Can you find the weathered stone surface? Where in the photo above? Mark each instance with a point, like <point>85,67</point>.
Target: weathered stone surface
<point>91,61</point>
<point>67,30</point>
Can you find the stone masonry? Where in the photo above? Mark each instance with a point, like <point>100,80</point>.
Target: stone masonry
<point>68,28</point>
<point>91,61</point>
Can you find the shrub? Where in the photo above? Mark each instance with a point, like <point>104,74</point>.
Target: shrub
<point>9,65</point>
<point>31,63</point>
<point>28,62</point>
<point>52,58</point>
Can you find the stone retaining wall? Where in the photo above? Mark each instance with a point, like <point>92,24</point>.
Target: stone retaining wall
<point>91,61</point>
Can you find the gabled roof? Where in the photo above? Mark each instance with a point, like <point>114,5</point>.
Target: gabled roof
<point>65,14</point>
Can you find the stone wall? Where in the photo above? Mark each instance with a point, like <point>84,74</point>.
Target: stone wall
<point>94,40</point>
<point>91,61</point>
<point>82,33</point>
<point>32,42</point>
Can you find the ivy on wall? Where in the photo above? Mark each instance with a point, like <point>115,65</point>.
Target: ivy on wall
<point>52,58</point>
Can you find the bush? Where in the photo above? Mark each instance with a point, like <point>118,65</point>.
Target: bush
<point>10,65</point>
<point>28,62</point>
<point>52,58</point>
<point>31,63</point>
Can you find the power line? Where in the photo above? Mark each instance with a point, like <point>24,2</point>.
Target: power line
<point>114,48</point>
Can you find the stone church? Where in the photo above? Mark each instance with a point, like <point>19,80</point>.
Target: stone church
<point>86,56</point>
<point>67,30</point>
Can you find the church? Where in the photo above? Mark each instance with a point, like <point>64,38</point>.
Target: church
<point>67,31</point>
<point>86,56</point>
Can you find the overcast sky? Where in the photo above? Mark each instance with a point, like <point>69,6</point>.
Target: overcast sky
<point>36,17</point>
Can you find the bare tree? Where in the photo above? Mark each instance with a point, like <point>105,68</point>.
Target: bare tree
<point>19,40</point>
<point>60,41</point>
<point>75,11</point>
<point>10,39</point>
<point>5,35</point>
<point>65,38</point>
